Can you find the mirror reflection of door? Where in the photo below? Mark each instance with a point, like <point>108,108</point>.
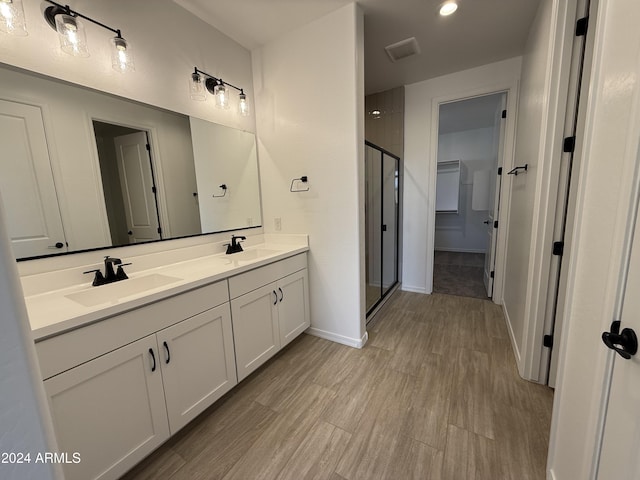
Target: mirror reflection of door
<point>27,184</point>
<point>128,183</point>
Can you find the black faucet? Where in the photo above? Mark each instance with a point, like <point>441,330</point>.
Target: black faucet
<point>110,275</point>
<point>234,246</point>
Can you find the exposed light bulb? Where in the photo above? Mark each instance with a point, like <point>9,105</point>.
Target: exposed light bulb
<point>71,35</point>
<point>221,94</point>
<point>12,19</point>
<point>448,8</point>
<point>121,55</point>
<point>196,87</point>
<point>243,106</point>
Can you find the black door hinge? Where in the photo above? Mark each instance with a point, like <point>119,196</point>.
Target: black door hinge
<point>495,224</point>
<point>499,170</point>
<point>582,26</point>
<point>384,228</point>
<point>558,248</point>
<point>160,230</point>
<point>547,341</point>
<point>569,145</point>
<point>492,274</point>
<point>504,114</point>
<point>153,189</point>
<point>148,147</point>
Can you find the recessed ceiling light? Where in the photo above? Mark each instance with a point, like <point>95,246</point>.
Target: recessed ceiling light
<point>448,8</point>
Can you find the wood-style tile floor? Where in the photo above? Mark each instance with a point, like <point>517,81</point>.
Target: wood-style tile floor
<point>433,395</point>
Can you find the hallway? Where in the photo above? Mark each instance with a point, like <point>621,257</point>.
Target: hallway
<point>433,395</point>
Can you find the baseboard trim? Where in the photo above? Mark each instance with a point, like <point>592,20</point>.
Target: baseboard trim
<point>409,288</point>
<point>551,475</point>
<point>512,337</point>
<point>460,250</point>
<point>334,337</point>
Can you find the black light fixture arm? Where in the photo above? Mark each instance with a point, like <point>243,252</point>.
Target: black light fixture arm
<point>197,71</point>
<point>73,13</point>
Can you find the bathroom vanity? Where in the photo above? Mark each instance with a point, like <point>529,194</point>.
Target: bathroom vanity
<point>127,365</point>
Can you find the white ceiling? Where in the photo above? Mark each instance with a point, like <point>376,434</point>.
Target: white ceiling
<point>480,32</point>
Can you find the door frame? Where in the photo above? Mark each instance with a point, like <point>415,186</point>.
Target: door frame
<point>156,168</point>
<point>511,90</point>
<point>606,200</point>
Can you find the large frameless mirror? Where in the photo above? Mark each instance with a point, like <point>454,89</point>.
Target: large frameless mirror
<point>82,169</point>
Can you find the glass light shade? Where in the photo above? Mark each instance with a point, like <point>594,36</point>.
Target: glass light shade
<point>12,17</point>
<point>196,88</point>
<point>222,96</point>
<point>121,55</point>
<point>243,106</point>
<point>448,8</point>
<point>73,39</point>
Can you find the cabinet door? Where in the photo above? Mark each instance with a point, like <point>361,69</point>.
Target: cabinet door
<point>198,364</point>
<point>293,306</point>
<point>255,328</point>
<point>110,410</point>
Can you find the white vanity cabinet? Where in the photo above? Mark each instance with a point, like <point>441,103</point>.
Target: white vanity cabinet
<point>269,308</point>
<point>115,408</point>
<point>198,364</point>
<point>111,410</point>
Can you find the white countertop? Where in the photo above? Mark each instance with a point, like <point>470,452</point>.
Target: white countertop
<point>52,312</point>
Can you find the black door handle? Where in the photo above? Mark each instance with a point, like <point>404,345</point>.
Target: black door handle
<point>129,232</point>
<point>153,369</point>
<point>166,347</point>
<point>487,222</point>
<point>281,294</point>
<point>275,295</point>
<point>624,343</point>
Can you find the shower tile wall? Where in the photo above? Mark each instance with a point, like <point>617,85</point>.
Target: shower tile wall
<point>386,129</point>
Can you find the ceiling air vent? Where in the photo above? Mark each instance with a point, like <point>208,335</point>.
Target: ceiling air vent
<point>403,49</point>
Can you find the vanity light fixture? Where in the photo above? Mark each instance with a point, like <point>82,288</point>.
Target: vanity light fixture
<point>448,8</point>
<point>73,40</point>
<point>201,81</point>
<point>12,18</point>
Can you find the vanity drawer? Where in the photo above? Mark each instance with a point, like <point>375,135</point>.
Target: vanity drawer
<point>253,279</point>
<point>70,349</point>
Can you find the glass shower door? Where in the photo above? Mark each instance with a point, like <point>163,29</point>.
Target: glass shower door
<point>381,223</point>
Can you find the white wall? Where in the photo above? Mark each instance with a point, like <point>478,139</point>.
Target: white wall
<point>306,128</point>
<point>476,149</point>
<point>541,111</point>
<point>24,423</point>
<point>420,155</point>
<point>168,42</point>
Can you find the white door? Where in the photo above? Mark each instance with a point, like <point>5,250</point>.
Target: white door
<point>26,183</point>
<point>110,410</point>
<point>619,457</point>
<point>621,442</point>
<point>255,328</point>
<point>198,364</point>
<point>494,195</point>
<point>138,190</point>
<point>293,306</point>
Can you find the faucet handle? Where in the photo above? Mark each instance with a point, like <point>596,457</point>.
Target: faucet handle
<point>120,273</point>
<point>98,278</point>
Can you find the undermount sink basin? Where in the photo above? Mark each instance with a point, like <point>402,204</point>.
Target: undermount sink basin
<point>249,255</point>
<point>113,292</point>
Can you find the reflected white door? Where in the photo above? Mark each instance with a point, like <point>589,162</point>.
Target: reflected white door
<point>620,46</point>
<point>136,180</point>
<point>26,183</point>
<point>494,194</point>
